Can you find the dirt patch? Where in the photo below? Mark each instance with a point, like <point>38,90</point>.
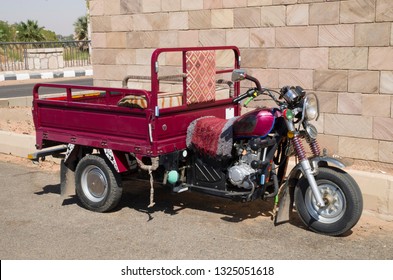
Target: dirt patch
<point>369,225</point>
<point>17,119</point>
<point>46,165</point>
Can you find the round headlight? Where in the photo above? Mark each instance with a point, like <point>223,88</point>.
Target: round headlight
<point>311,131</point>
<point>311,107</point>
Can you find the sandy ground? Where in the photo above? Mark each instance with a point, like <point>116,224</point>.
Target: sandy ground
<point>17,119</point>
<point>369,239</point>
<point>46,165</point>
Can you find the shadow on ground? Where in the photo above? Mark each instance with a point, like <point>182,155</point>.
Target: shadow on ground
<point>136,196</point>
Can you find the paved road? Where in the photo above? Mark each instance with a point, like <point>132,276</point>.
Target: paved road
<point>36,223</point>
<point>25,88</point>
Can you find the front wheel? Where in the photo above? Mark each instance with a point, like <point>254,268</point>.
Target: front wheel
<point>98,185</point>
<point>342,197</point>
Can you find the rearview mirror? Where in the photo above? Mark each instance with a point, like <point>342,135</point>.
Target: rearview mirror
<point>238,75</point>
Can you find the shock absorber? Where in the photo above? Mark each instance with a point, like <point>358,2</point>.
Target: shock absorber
<point>314,146</point>
<point>298,145</point>
<point>307,170</point>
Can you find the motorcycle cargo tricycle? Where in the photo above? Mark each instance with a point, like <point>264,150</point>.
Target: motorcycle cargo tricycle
<point>187,132</point>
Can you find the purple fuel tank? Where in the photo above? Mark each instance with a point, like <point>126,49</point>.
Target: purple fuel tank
<point>257,123</point>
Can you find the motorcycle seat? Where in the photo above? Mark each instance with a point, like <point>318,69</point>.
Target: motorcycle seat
<point>211,136</point>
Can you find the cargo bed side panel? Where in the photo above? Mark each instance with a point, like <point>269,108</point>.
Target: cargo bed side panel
<point>96,126</point>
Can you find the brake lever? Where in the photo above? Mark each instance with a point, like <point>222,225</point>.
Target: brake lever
<point>251,94</point>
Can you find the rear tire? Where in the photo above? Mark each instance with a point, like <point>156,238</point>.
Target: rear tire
<point>98,185</point>
<point>343,199</point>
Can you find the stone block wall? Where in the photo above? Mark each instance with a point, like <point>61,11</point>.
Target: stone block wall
<point>45,58</point>
<point>340,49</point>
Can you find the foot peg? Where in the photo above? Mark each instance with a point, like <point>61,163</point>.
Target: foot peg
<point>179,189</point>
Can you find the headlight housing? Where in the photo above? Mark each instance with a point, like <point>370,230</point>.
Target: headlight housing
<point>311,107</point>
<point>292,95</point>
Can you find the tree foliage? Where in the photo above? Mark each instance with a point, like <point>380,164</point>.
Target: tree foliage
<point>49,35</point>
<point>80,29</point>
<point>7,32</point>
<point>30,31</point>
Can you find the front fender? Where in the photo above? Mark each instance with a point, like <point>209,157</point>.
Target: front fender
<point>315,163</point>
<point>287,197</point>
<point>325,160</point>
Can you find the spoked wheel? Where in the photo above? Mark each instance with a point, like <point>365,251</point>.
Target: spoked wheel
<point>342,197</point>
<point>98,185</point>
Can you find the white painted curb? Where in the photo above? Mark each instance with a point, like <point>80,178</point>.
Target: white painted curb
<point>16,144</point>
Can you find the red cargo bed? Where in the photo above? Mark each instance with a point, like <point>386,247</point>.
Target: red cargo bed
<point>92,117</point>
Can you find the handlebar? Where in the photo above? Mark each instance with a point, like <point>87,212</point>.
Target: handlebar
<point>252,93</point>
<point>291,95</point>
<point>255,92</point>
<point>255,80</point>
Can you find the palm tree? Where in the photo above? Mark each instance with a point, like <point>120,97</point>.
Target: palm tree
<point>5,32</point>
<point>80,29</point>
<point>30,31</point>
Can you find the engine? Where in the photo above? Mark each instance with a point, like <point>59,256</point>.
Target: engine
<point>238,173</point>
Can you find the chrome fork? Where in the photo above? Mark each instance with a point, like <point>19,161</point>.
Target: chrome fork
<point>307,170</point>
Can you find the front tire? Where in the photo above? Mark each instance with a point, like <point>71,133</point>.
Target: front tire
<point>98,185</point>
<point>343,199</point>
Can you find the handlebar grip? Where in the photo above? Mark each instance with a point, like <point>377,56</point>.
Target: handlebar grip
<point>239,98</point>
<point>252,93</point>
<point>248,100</point>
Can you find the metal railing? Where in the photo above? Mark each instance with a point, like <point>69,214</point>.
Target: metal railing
<point>13,55</point>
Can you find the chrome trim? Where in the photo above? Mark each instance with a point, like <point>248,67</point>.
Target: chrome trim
<point>315,160</point>
<point>307,171</point>
<point>304,107</point>
<point>150,133</point>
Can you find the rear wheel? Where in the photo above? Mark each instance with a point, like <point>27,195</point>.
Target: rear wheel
<point>342,197</point>
<point>98,185</point>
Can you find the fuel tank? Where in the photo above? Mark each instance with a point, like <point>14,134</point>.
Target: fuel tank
<point>257,123</point>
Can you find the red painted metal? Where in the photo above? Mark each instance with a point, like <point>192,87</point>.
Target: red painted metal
<point>257,123</point>
<point>95,120</point>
